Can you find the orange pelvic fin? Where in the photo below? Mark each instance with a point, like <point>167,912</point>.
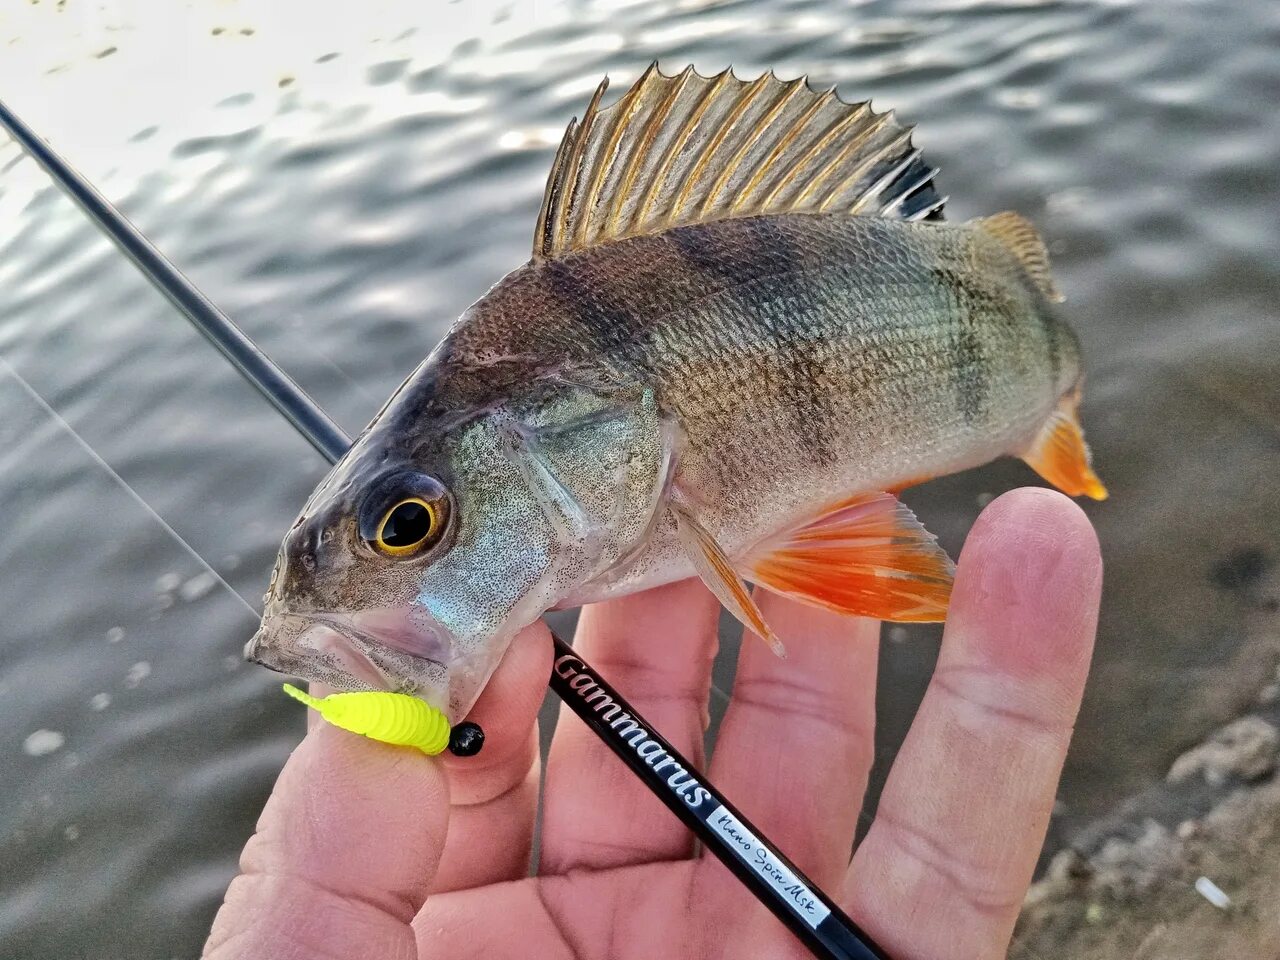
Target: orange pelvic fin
<point>1061,456</point>
<point>868,556</point>
<point>718,573</point>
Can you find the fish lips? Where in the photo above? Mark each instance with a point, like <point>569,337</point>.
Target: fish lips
<point>384,649</point>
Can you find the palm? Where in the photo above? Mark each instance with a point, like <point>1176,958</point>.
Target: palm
<point>355,840</point>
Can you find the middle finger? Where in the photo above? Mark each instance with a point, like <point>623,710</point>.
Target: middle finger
<point>656,648</point>
<point>798,738</point>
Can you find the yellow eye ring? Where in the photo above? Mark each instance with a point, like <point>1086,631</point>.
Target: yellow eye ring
<point>407,527</point>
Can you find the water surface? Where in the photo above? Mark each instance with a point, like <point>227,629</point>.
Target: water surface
<point>345,187</point>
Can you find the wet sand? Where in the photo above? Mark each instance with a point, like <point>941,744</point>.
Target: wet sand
<point>1188,870</point>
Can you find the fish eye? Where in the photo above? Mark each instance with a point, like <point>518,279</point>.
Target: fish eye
<point>408,518</point>
<point>406,527</point>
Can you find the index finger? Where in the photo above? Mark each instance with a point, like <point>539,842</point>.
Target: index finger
<point>343,855</point>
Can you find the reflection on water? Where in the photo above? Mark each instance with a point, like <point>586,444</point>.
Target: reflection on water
<point>345,187</point>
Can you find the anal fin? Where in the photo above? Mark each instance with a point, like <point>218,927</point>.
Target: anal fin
<point>1061,456</point>
<point>867,556</point>
<point>718,573</point>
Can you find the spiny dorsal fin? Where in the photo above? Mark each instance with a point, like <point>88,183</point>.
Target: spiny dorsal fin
<point>684,149</point>
<point>1017,235</point>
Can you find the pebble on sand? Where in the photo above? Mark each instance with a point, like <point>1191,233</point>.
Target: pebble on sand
<point>1246,749</point>
<point>1213,893</point>
<point>198,586</point>
<point>137,673</point>
<point>168,582</point>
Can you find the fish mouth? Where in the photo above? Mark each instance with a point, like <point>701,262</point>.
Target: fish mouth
<point>382,649</point>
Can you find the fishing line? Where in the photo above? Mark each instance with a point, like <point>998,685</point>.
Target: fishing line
<point>303,345</point>
<point>124,485</point>
<point>775,882</point>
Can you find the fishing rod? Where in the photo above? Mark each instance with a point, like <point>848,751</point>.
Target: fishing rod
<point>274,384</point>
<point>776,882</point>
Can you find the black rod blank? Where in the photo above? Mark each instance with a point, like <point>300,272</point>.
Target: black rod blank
<point>826,930</point>
<point>273,383</point>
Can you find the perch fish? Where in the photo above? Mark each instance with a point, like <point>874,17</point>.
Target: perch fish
<point>744,328</point>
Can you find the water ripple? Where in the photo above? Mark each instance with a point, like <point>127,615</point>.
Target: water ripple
<point>345,193</point>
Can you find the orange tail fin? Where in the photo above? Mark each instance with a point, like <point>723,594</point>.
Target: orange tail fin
<point>867,556</point>
<point>1061,456</point>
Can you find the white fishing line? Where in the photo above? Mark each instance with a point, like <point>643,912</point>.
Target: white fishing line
<point>124,485</point>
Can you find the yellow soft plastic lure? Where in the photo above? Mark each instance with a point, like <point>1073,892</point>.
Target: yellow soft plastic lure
<point>394,718</point>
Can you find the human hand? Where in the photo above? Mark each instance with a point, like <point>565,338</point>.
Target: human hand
<point>366,850</point>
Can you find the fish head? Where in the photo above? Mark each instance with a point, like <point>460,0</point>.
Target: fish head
<point>413,565</point>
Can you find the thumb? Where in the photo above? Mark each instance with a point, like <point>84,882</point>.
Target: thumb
<point>343,856</point>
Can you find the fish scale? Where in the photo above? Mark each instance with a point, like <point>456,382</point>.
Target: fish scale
<point>832,339</point>
<point>836,367</point>
<point>743,329</point>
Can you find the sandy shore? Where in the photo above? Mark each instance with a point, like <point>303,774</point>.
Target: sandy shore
<point>1188,870</point>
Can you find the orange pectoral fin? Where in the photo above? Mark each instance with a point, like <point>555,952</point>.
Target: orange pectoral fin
<point>1061,456</point>
<point>867,556</point>
<point>718,573</point>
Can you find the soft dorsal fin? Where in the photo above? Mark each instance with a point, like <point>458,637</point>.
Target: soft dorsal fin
<point>684,149</point>
<point>1017,235</point>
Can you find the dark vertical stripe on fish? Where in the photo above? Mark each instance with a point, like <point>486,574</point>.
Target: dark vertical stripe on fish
<point>1052,338</point>
<point>972,385</point>
<point>971,376</point>
<point>603,319</point>
<point>752,250</point>
<point>760,264</point>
